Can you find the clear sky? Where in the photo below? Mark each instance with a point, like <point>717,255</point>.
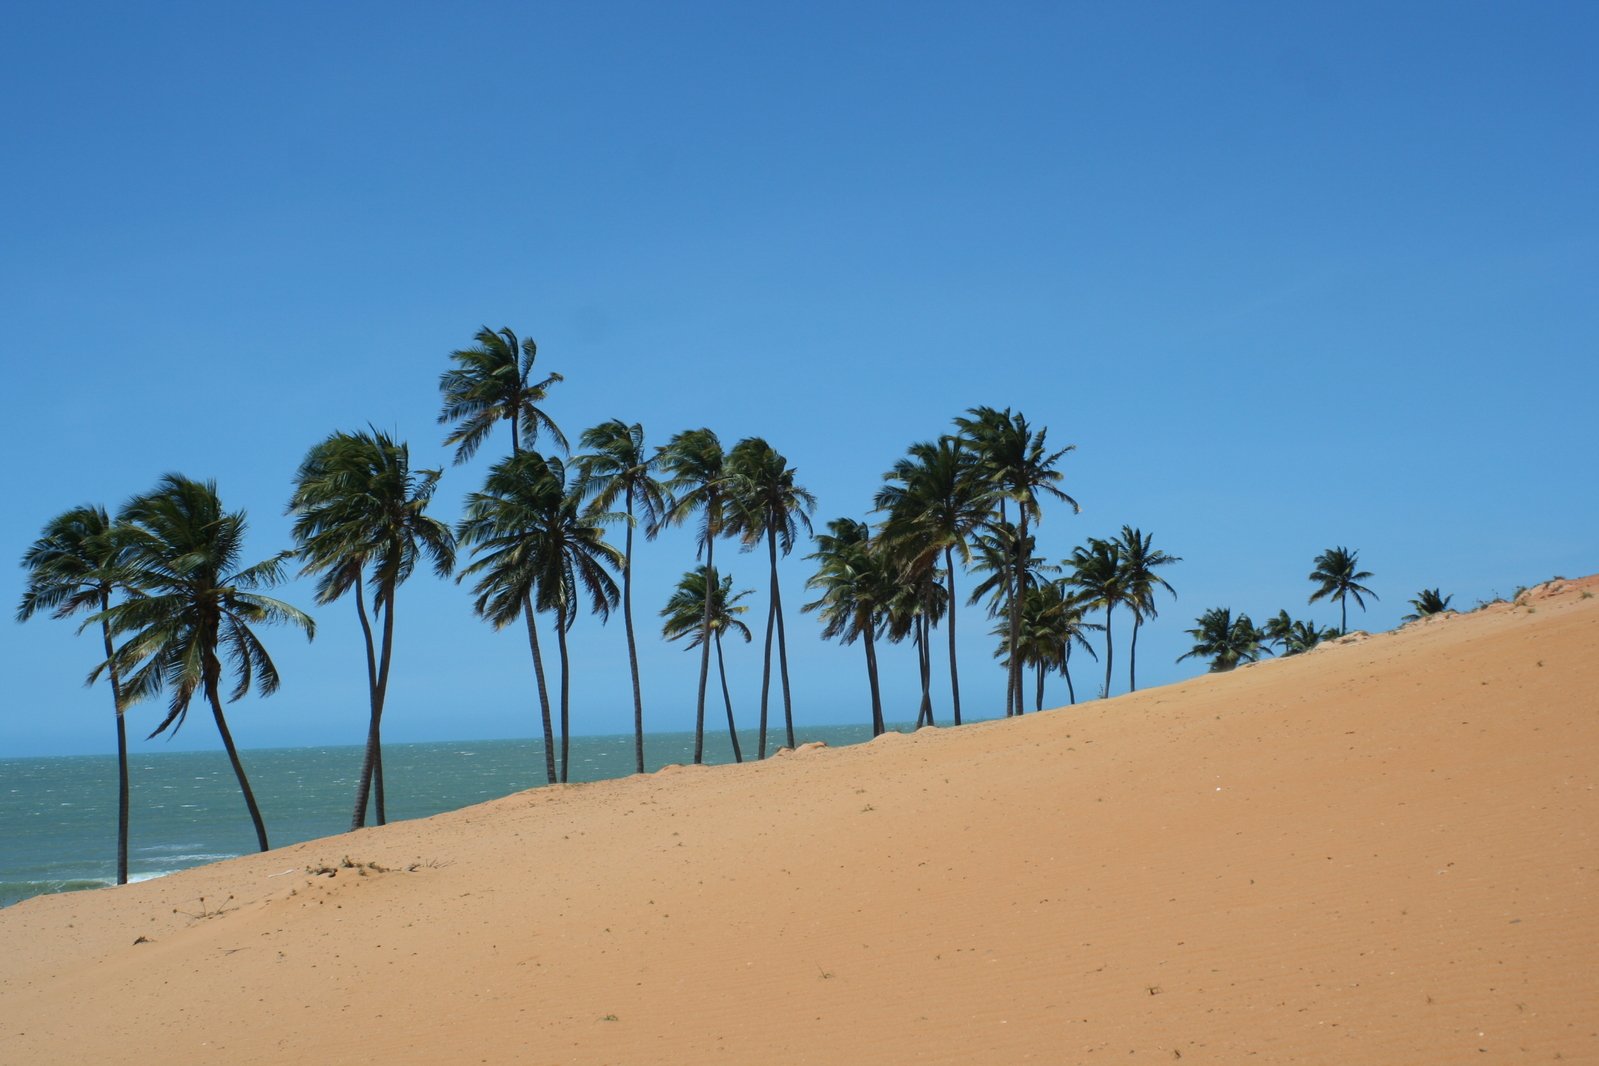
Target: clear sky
<point>1289,276</point>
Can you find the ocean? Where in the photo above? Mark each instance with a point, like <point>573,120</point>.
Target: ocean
<point>58,815</point>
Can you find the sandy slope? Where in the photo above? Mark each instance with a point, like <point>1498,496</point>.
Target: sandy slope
<point>1383,852</point>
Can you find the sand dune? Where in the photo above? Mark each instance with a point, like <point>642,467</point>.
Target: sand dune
<point>1383,852</point>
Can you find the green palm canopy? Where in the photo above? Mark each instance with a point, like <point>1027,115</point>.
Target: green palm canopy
<point>1338,578</point>
<point>492,381</point>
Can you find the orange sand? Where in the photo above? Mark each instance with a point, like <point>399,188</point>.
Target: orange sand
<point>1382,852</point>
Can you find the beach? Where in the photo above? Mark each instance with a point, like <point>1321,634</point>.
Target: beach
<point>1383,850</point>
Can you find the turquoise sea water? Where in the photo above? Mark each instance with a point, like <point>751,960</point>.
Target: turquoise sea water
<point>58,816</point>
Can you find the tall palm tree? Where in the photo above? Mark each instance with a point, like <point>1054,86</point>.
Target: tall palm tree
<point>854,588</point>
<point>1336,577</point>
<point>491,382</point>
<point>1096,572</point>
<point>699,483</point>
<point>1226,641</point>
<point>616,468</point>
<point>915,602</point>
<point>769,504</point>
<point>193,615</point>
<point>936,501</point>
<point>700,593</point>
<point>1021,468</point>
<point>536,550</point>
<point>1139,561</point>
<point>1428,601</point>
<point>359,506</point>
<point>995,554</point>
<point>75,567</point>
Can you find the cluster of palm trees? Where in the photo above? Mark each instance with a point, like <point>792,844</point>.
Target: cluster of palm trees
<point>1228,640</point>
<point>951,499</point>
<point>178,612</point>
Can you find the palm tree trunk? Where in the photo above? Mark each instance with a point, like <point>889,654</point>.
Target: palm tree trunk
<point>1066,668</point>
<point>212,672</point>
<point>1343,617</point>
<point>1039,703</point>
<point>632,646</point>
<point>1132,655</point>
<point>566,675</point>
<point>377,685</point>
<point>924,657</point>
<point>122,744</point>
<point>1016,607</point>
<point>782,645</point>
<point>766,669</point>
<point>954,671</point>
<point>871,677</point>
<point>727,699</point>
<point>544,694</point>
<point>705,653</point>
<point>384,660</point>
<point>1109,653</point>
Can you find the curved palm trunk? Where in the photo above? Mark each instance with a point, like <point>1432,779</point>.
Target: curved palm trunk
<point>871,676</point>
<point>122,745</point>
<point>954,670</point>
<point>1038,704</point>
<point>544,694</point>
<point>924,659</point>
<point>1132,656</point>
<point>1066,668</point>
<point>632,646</point>
<point>782,645</point>
<point>1343,616</point>
<point>358,818</point>
<point>566,675</point>
<point>732,730</point>
<point>766,673</point>
<point>213,670</point>
<point>1109,652</point>
<point>371,781</point>
<point>705,654</point>
<point>1018,592</point>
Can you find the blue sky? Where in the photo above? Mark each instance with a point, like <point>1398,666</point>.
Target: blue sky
<point>1288,276</point>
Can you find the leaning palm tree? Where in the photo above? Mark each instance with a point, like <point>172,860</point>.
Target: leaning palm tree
<point>699,484</point>
<point>75,567</point>
<point>1335,577</point>
<point>1138,562</point>
<point>700,593</point>
<point>1426,602</point>
<point>854,588</point>
<point>1096,572</point>
<point>617,469</point>
<point>195,610</point>
<point>936,501</point>
<point>1224,640</point>
<point>536,551</point>
<point>360,519</point>
<point>769,504</point>
<point>492,381</point>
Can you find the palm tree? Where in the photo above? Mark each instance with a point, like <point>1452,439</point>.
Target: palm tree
<point>195,609</point>
<point>700,594</point>
<point>769,504</point>
<point>996,556</point>
<point>699,483</point>
<point>854,588</point>
<point>1138,562</point>
<point>75,567</point>
<point>616,468</point>
<point>1336,577</point>
<point>1428,601</point>
<point>1225,640</point>
<point>1044,635</point>
<point>358,504</point>
<point>1097,573</point>
<point>492,382</point>
<point>936,501</point>
<point>1294,637</point>
<point>536,550</point>
<point>1074,630</point>
<point>915,603</point>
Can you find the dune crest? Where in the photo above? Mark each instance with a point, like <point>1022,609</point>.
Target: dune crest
<point>1384,852</point>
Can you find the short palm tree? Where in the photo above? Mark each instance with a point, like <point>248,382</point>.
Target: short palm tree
<point>699,483</point>
<point>1075,630</point>
<point>1293,637</point>
<point>1138,562</point>
<point>1428,601</point>
<point>854,588</point>
<point>75,567</point>
<point>700,593</point>
<point>196,609</point>
<point>1096,573</point>
<point>1337,578</point>
<point>535,550</point>
<point>360,517</point>
<point>936,501</point>
<point>916,601</point>
<point>616,468</point>
<point>1224,640</point>
<point>492,381</point>
<point>768,504</point>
